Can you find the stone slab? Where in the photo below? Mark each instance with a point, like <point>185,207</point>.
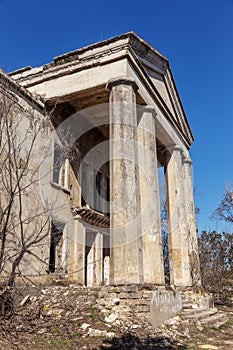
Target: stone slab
<point>164,305</point>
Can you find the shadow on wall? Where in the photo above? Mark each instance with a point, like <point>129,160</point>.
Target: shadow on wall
<point>130,341</point>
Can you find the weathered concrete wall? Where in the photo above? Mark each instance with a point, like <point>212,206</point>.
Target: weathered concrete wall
<point>164,305</point>
<point>39,201</point>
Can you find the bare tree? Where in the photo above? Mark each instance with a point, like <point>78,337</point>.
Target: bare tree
<point>24,223</point>
<point>216,260</point>
<point>225,209</point>
<point>216,250</point>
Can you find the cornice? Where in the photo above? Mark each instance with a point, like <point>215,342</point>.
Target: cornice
<point>180,109</point>
<point>94,54</point>
<point>138,67</point>
<point>6,82</point>
<point>53,71</point>
<point>127,45</point>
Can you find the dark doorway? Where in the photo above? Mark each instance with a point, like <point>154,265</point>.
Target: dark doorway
<point>56,244</point>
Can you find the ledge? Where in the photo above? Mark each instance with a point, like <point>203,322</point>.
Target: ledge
<point>59,187</point>
<point>91,217</point>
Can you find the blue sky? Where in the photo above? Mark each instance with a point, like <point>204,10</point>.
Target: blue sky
<point>196,37</point>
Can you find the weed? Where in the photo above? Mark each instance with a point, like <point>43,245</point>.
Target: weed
<point>93,316</point>
<point>56,343</point>
<point>77,334</point>
<point>56,331</point>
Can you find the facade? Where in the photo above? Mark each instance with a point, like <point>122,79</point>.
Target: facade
<point>115,117</point>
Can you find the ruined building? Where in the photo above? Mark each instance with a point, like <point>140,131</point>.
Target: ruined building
<point>115,118</point>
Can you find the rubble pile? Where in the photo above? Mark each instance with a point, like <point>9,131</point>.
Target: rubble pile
<point>96,318</point>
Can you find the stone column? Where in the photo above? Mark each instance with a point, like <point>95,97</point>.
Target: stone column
<point>99,258</point>
<point>191,223</point>
<point>78,253</point>
<point>66,173</point>
<point>125,240</point>
<point>153,269</point>
<point>176,217</point>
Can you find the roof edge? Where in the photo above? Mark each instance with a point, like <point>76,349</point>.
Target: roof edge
<point>39,102</point>
<point>126,35</point>
<point>63,57</point>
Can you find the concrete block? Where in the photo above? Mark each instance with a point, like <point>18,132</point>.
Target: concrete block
<point>164,305</point>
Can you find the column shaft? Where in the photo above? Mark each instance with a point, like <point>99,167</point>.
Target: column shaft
<point>99,258</point>
<point>78,254</point>
<point>66,173</point>
<point>191,223</point>
<point>126,251</point>
<point>176,216</point>
<point>153,270</point>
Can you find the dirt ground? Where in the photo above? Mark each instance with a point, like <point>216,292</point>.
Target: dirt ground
<point>67,318</point>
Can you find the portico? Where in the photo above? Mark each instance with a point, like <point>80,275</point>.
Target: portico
<point>119,100</point>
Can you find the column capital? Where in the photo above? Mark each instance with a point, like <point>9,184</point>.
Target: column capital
<point>172,148</point>
<point>187,161</point>
<point>124,80</point>
<point>146,110</point>
<point>175,147</point>
<point>149,109</point>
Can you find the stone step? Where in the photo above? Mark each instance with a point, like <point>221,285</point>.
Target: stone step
<point>216,319</point>
<point>192,311</point>
<point>197,314</point>
<point>187,305</point>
